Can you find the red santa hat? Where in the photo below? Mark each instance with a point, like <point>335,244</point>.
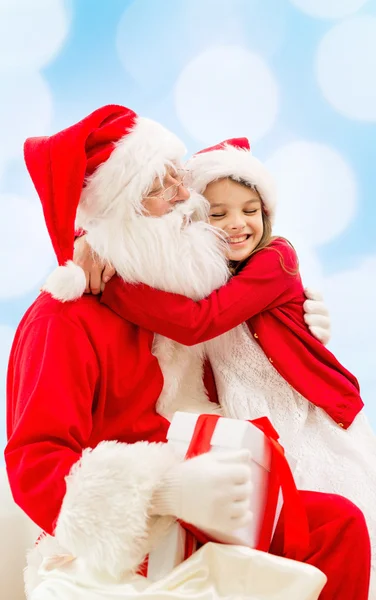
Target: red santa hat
<point>232,158</point>
<point>98,168</point>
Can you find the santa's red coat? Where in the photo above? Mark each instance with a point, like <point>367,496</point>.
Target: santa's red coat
<point>79,375</point>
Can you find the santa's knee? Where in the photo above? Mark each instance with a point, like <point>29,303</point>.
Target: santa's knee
<point>337,517</point>
<point>352,526</point>
<point>347,510</point>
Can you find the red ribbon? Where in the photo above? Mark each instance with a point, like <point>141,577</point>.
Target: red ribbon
<point>143,568</point>
<point>296,531</point>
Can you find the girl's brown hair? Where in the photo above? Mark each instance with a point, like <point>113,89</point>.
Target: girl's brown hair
<point>266,239</point>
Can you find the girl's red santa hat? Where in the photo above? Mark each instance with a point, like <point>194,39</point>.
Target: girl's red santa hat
<point>232,158</point>
<point>96,170</point>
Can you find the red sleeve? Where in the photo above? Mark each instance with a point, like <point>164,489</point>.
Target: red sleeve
<point>263,284</point>
<point>51,383</point>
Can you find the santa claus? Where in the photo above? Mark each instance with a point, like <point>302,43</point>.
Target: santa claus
<point>90,394</point>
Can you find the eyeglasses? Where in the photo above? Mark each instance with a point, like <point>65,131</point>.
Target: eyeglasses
<point>169,193</point>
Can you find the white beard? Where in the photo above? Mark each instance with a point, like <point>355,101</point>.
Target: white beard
<point>175,253</point>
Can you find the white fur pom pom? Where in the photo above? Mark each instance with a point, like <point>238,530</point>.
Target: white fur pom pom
<point>66,283</point>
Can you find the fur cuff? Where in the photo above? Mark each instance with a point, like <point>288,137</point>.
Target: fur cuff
<point>66,283</point>
<point>104,517</point>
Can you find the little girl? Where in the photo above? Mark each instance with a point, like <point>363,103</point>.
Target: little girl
<point>265,361</point>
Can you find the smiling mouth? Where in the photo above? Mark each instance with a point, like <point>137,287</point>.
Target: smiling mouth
<point>240,239</point>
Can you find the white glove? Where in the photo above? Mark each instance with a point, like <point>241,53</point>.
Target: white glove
<point>317,316</point>
<point>210,491</point>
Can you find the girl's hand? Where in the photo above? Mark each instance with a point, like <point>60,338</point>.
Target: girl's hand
<point>97,272</point>
<point>317,316</point>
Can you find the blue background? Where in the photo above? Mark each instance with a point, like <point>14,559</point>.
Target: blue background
<point>297,77</point>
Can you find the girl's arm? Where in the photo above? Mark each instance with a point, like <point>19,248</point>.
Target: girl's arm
<point>264,283</point>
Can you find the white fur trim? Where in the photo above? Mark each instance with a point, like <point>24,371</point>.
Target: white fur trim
<point>104,516</point>
<point>183,379</point>
<point>66,283</point>
<point>117,186</point>
<point>236,163</point>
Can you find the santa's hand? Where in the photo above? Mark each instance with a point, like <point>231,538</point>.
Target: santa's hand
<point>317,316</point>
<point>210,491</point>
<point>97,272</point>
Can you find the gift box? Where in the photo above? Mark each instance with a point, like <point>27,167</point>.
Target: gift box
<point>234,434</point>
<point>273,487</point>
